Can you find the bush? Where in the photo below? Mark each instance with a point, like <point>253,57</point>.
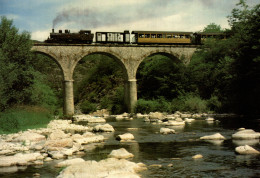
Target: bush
<point>117,101</point>
<point>214,104</point>
<point>195,104</point>
<point>87,107</point>
<point>24,118</point>
<point>189,103</point>
<point>146,106</point>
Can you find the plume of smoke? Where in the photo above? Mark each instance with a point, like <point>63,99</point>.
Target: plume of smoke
<point>93,18</point>
<point>70,14</point>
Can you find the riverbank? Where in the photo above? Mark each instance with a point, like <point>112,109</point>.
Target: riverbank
<point>64,140</point>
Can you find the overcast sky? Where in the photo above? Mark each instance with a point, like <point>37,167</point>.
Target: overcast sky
<point>40,16</point>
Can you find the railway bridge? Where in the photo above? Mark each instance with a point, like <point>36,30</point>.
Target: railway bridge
<point>128,56</point>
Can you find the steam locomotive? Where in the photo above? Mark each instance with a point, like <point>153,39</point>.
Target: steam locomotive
<point>139,37</point>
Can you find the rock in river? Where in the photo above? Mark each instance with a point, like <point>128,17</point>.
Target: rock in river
<point>167,131</point>
<point>216,136</point>
<point>125,137</point>
<point>120,154</point>
<point>70,162</point>
<point>246,150</point>
<point>110,167</point>
<point>246,134</point>
<point>103,128</point>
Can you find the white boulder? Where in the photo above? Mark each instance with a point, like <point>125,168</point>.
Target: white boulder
<point>189,120</point>
<point>167,131</point>
<point>120,154</point>
<point>19,159</point>
<point>70,162</point>
<point>89,119</point>
<point>154,116</point>
<point>103,128</point>
<point>67,125</point>
<point>246,134</point>
<point>87,138</point>
<point>174,123</point>
<point>209,119</point>
<point>246,150</point>
<point>30,136</point>
<point>125,137</point>
<point>110,168</point>
<point>198,156</point>
<point>216,136</point>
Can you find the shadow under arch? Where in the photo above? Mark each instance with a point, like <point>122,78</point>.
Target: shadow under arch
<point>53,58</point>
<point>118,62</point>
<point>149,86</point>
<point>169,55</point>
<point>113,56</point>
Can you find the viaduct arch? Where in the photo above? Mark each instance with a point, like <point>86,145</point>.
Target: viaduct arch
<point>128,56</point>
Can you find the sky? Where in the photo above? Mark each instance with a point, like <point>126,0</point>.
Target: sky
<point>39,16</point>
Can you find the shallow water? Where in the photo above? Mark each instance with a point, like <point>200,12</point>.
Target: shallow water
<point>171,155</point>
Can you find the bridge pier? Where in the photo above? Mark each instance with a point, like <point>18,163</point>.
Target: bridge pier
<point>68,106</point>
<point>132,95</point>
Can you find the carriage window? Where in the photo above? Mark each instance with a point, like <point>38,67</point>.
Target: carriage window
<point>141,35</point>
<point>164,36</point>
<point>159,35</point>
<point>147,35</point>
<point>187,36</point>
<point>169,36</point>
<point>153,35</point>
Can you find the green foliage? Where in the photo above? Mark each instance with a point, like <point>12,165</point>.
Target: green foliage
<point>160,76</point>
<point>117,105</point>
<point>189,103</point>
<point>146,106</point>
<point>195,104</point>
<point>229,69</point>
<point>20,81</point>
<point>212,28</point>
<point>87,107</point>
<point>99,80</point>
<point>14,120</point>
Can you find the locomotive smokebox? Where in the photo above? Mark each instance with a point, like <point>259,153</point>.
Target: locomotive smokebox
<point>53,30</point>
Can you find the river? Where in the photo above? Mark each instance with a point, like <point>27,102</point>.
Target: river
<point>171,155</point>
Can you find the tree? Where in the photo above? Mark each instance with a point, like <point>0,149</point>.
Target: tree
<point>212,28</point>
<point>20,83</point>
<point>245,25</point>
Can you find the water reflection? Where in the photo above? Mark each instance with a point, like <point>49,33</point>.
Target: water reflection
<point>251,142</point>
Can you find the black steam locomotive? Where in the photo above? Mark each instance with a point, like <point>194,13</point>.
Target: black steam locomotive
<point>139,37</point>
<point>82,37</point>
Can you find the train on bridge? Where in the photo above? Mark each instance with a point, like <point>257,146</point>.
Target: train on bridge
<point>138,37</point>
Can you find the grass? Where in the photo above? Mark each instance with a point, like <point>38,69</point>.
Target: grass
<point>23,118</point>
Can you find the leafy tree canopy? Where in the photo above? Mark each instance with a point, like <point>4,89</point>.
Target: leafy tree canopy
<point>212,27</point>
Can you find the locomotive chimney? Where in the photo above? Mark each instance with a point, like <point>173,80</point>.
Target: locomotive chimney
<point>53,30</point>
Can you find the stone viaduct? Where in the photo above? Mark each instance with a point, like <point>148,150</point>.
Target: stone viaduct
<point>128,56</point>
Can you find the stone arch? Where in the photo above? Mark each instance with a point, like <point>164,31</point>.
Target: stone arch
<point>53,58</point>
<point>109,54</point>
